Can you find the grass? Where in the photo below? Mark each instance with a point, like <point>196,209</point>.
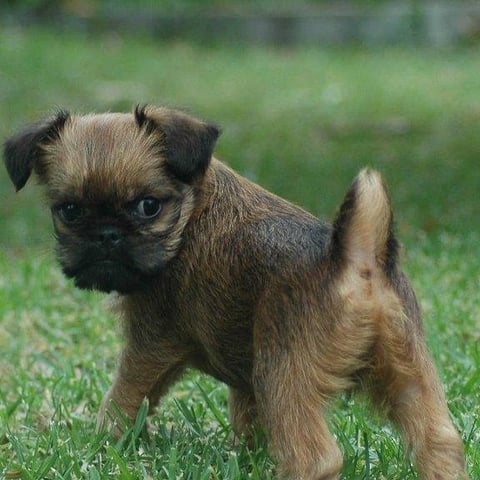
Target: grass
<point>301,123</point>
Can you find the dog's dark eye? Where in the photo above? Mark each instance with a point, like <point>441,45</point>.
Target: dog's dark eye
<point>70,212</point>
<point>148,207</point>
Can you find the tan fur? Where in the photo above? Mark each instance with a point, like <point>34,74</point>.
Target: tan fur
<point>287,311</point>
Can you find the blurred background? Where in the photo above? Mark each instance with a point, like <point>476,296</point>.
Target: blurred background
<point>307,92</point>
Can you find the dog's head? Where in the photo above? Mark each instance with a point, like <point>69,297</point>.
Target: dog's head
<point>121,187</point>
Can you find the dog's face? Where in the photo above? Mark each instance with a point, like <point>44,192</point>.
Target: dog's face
<point>121,187</point>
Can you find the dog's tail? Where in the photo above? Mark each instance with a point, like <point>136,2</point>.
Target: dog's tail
<point>363,229</point>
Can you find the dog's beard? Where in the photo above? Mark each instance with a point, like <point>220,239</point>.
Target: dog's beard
<point>122,269</point>
<point>106,276</point>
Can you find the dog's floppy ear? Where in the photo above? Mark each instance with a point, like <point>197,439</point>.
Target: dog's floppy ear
<point>186,143</point>
<point>23,150</point>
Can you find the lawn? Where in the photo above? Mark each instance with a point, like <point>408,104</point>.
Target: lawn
<point>300,122</point>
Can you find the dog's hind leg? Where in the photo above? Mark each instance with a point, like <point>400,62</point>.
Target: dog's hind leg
<point>406,386</point>
<point>243,414</point>
<point>290,408</point>
<point>405,383</point>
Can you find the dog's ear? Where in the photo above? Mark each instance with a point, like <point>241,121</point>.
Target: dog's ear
<point>186,143</point>
<point>23,150</point>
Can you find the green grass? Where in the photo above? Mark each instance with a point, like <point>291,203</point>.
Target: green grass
<point>301,123</point>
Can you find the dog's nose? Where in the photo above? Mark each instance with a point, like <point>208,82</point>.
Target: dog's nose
<point>109,235</point>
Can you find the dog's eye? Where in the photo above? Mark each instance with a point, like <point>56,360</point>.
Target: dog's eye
<point>148,207</point>
<point>70,212</point>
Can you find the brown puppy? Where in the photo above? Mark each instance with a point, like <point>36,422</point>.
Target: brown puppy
<point>216,273</point>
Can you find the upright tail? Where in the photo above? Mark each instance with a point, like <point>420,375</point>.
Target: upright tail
<point>363,229</point>
<point>382,317</point>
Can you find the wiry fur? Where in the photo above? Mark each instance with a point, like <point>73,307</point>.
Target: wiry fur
<point>284,309</point>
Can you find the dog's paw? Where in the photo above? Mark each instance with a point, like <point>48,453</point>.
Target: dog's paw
<point>111,419</point>
<point>114,419</point>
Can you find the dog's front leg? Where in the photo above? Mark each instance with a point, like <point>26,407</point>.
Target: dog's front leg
<point>140,375</point>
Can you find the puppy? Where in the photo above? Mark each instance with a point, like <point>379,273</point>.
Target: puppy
<point>216,273</point>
